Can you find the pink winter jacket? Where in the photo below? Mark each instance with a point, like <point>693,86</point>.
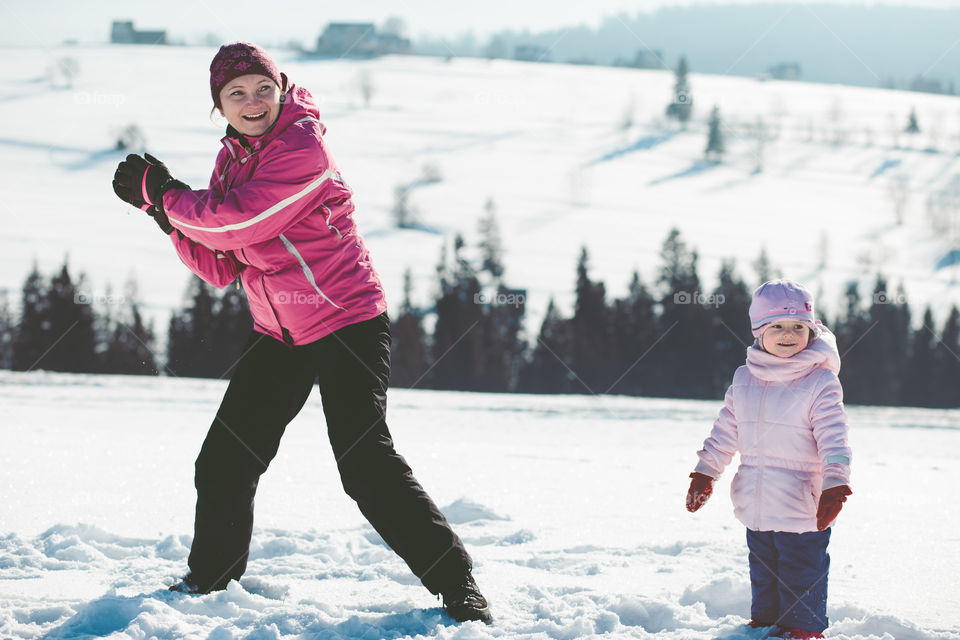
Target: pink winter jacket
<point>785,416</point>
<point>278,214</point>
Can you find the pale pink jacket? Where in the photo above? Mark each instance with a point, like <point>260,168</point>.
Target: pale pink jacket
<point>785,416</point>
<point>278,214</point>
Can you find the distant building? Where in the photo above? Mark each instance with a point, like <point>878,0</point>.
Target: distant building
<point>785,71</point>
<point>359,40</point>
<point>393,43</point>
<point>123,32</point>
<point>531,53</point>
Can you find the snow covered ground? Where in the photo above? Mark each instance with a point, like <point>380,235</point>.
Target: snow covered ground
<point>545,142</point>
<point>572,507</point>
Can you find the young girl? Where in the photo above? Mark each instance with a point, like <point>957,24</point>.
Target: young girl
<point>278,215</point>
<point>784,414</point>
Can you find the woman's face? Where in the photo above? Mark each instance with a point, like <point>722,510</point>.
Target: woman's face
<point>250,103</point>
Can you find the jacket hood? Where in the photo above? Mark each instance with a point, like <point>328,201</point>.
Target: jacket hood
<point>822,353</point>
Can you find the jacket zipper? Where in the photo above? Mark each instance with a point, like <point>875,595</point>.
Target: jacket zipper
<point>761,423</point>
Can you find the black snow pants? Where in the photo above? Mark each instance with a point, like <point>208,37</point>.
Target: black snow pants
<point>268,388</point>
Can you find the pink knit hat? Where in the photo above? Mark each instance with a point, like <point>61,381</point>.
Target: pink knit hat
<point>238,59</point>
<point>781,300</point>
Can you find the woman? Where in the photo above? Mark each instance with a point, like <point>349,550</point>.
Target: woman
<point>278,215</point>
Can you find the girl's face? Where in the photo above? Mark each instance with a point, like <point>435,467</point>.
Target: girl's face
<point>250,103</point>
<point>785,339</point>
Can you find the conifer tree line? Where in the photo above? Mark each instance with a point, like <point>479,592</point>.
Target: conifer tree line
<point>63,326</point>
<point>668,337</point>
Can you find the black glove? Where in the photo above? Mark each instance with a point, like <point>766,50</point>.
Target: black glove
<point>160,218</point>
<point>143,181</point>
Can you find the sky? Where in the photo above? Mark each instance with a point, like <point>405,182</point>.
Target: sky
<point>191,21</point>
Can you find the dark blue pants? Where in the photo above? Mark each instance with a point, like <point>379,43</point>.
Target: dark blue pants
<point>267,390</point>
<point>788,577</point>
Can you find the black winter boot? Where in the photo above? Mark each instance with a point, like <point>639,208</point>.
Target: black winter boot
<point>187,585</point>
<point>464,602</point>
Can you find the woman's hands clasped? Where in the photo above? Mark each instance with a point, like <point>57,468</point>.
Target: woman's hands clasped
<point>141,182</point>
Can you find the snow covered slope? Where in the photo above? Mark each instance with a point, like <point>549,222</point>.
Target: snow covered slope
<point>572,508</point>
<point>545,142</point>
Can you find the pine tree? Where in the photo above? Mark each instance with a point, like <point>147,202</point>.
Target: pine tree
<point>855,372</point>
<point>634,334</point>
<point>882,351</point>
<point>681,108</point>
<point>491,247</point>
<point>946,355</point>
<point>508,331</point>
<point>590,331</point>
<point>684,325</point>
<point>912,125</point>
<point>190,335</point>
<point>31,335</point>
<point>763,268</point>
<point>71,340</point>
<point>7,330</point>
<point>548,370</point>
<point>715,147</point>
<point>131,346</point>
<point>408,355</point>
<point>232,326</point>
<point>457,345</point>
<point>919,374</point>
<point>730,320</point>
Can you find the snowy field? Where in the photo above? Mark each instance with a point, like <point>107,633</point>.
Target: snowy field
<point>545,142</point>
<point>572,508</point>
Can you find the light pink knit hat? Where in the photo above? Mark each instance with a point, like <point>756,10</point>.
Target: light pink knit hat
<point>781,300</point>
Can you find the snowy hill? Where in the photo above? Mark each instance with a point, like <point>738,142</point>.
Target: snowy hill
<point>545,142</point>
<point>571,506</point>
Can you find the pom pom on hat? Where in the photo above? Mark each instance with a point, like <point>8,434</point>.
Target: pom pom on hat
<point>780,301</point>
<point>238,59</point>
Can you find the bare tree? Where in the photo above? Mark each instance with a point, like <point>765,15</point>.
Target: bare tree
<point>943,211</point>
<point>898,190</point>
<point>761,135</point>
<point>365,86</point>
<point>63,72</point>
<point>431,173</point>
<point>835,118</point>
<point>404,214</point>
<point>823,251</point>
<point>395,26</point>
<point>130,138</point>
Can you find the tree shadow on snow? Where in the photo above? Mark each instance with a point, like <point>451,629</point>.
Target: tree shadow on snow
<point>698,166</point>
<point>643,144</point>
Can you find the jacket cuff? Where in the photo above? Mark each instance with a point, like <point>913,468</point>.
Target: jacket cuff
<point>705,469</point>
<point>829,482</point>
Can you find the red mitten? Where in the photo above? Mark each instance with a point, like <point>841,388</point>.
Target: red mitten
<point>831,501</point>
<point>701,486</point>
